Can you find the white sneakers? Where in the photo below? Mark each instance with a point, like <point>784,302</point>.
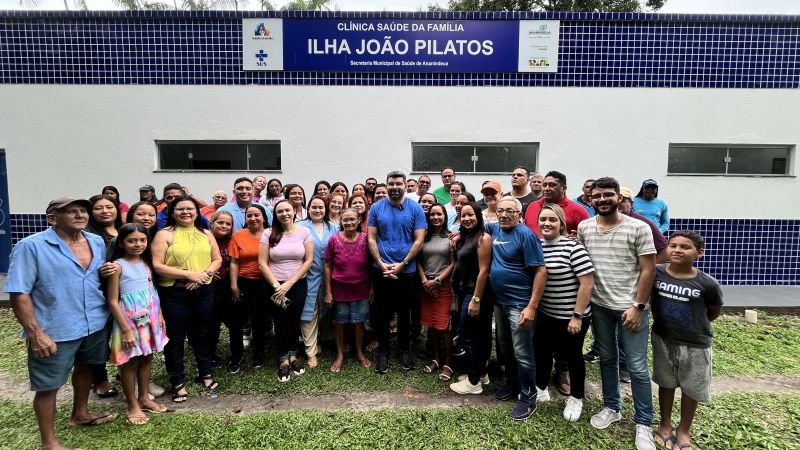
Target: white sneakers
<point>573,409</point>
<point>465,387</point>
<point>604,418</point>
<point>484,379</point>
<point>542,395</point>
<point>644,438</point>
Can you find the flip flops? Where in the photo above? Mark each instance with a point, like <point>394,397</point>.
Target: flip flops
<point>99,420</point>
<point>446,377</point>
<point>664,441</point>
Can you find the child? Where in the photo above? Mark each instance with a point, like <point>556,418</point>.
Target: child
<point>685,301</point>
<point>138,324</point>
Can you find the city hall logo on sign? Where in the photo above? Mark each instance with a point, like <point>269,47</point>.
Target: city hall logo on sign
<point>541,31</point>
<point>262,32</point>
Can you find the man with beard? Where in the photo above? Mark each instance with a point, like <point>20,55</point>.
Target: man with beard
<point>518,277</point>
<point>243,197</point>
<point>554,189</point>
<point>623,254</point>
<point>369,188</point>
<point>396,233</point>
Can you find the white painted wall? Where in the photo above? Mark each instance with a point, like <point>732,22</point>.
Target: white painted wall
<point>75,139</point>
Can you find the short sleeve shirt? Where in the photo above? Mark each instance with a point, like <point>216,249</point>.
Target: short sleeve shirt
<point>350,274</point>
<point>286,258</point>
<point>514,253</point>
<point>396,228</point>
<point>679,307</point>
<point>244,248</point>
<point>615,255</point>
<point>67,300</point>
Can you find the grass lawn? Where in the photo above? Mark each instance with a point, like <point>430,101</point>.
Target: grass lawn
<point>770,347</point>
<point>730,422</point>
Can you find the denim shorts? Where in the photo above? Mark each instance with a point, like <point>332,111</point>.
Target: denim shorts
<point>351,312</point>
<point>50,373</point>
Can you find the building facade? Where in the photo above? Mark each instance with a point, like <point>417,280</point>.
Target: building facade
<point>706,105</point>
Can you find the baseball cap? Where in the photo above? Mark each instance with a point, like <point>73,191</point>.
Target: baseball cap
<point>491,185</point>
<point>63,202</point>
<point>147,187</point>
<point>626,192</point>
<point>649,182</point>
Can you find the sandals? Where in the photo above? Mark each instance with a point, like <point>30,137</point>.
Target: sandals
<point>179,398</point>
<point>664,441</point>
<point>213,385</point>
<point>434,364</point>
<point>445,376</point>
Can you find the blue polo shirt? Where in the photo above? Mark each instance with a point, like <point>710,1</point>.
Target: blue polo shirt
<point>514,253</point>
<point>67,300</point>
<point>396,226</point>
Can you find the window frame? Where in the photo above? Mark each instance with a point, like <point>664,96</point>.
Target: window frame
<point>247,143</point>
<point>728,147</point>
<point>474,145</point>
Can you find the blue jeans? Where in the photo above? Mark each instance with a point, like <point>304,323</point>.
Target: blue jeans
<point>607,328</point>
<point>522,341</point>
<point>504,348</point>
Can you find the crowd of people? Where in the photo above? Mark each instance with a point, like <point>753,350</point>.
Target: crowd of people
<point>108,281</point>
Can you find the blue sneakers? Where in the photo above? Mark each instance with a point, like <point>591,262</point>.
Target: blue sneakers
<point>522,411</point>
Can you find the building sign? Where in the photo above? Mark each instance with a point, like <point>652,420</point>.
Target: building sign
<point>400,45</point>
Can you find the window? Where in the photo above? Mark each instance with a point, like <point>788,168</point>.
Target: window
<point>473,158</point>
<point>219,155</point>
<point>712,159</point>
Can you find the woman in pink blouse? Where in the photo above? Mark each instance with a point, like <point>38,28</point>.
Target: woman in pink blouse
<point>347,284</point>
<point>284,256</point>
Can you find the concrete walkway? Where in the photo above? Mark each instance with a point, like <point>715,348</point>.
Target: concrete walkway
<point>772,298</point>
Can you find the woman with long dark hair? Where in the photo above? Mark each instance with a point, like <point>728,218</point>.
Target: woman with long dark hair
<point>274,194</point>
<point>296,196</point>
<point>341,189</point>
<point>321,231</point>
<point>247,285</point>
<point>434,266</point>
<point>322,189</point>
<point>104,218</point>
<point>112,191</point>
<point>186,257</point>
<point>284,257</point>
<point>470,281</point>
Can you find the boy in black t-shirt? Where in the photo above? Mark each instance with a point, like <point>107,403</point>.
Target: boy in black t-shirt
<point>685,301</point>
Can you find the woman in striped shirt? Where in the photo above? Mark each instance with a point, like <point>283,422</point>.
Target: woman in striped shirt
<point>563,319</point>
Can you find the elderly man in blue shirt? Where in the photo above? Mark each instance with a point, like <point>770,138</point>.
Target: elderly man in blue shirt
<point>54,285</point>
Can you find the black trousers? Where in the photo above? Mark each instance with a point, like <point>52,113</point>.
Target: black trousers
<point>393,296</point>
<point>551,339</point>
<point>232,314</point>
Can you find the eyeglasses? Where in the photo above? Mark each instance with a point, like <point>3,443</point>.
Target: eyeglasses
<point>600,195</point>
<point>424,182</point>
<point>508,211</point>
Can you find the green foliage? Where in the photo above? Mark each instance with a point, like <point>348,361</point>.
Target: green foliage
<point>770,347</point>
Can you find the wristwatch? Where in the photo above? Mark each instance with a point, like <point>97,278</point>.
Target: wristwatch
<point>640,306</point>
<point>476,299</point>
<point>275,285</point>
<point>577,315</point>
<point>437,281</point>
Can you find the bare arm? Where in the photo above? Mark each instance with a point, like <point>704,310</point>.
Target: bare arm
<point>528,315</point>
<point>159,251</point>
<point>419,239</point>
<point>42,345</point>
<point>582,302</point>
<point>484,264</point>
<point>372,240</point>
<point>328,271</point>
<point>712,312</point>
<point>263,264</point>
<point>216,256</point>
<point>112,294</point>
<point>233,271</point>
<point>632,317</point>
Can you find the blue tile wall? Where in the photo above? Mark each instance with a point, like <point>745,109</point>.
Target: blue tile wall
<point>738,251</point>
<point>204,47</point>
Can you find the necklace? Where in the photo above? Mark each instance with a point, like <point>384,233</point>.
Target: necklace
<point>602,227</point>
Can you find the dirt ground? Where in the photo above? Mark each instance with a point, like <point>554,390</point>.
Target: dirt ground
<point>249,404</point>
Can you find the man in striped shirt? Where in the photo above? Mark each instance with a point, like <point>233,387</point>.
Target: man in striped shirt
<point>623,254</point>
